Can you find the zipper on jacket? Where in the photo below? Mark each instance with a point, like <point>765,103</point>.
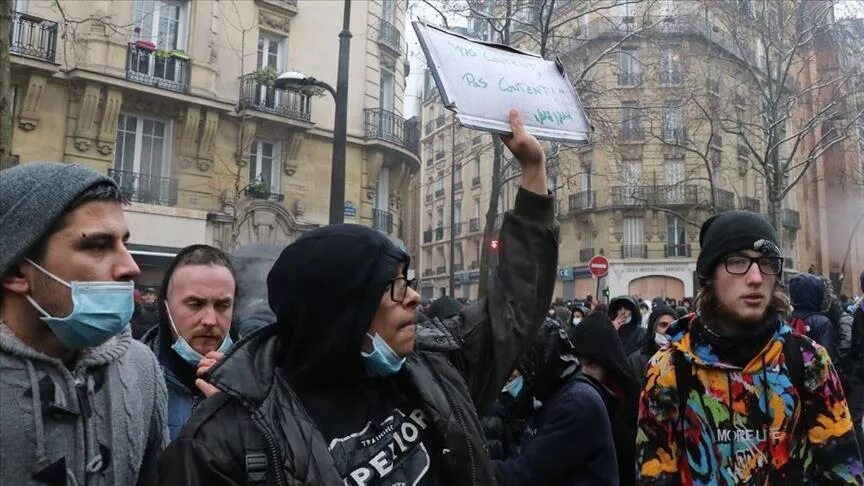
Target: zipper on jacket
<point>459,418</point>
<point>272,449</point>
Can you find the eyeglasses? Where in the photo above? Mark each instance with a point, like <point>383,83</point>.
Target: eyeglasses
<point>399,288</point>
<point>739,264</point>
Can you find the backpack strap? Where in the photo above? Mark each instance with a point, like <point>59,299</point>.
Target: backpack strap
<point>683,376</point>
<point>795,365</point>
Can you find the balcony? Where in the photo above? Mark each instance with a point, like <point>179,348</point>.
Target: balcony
<point>253,192</point>
<point>725,200</point>
<point>428,197</point>
<point>585,254</point>
<point>749,204</point>
<point>439,193</point>
<point>439,155</point>
<point>428,127</point>
<point>427,236</point>
<point>791,219</point>
<point>291,104</point>
<point>629,79</point>
<point>678,250</point>
<point>427,272</point>
<point>32,36</point>
<point>474,224</point>
<point>674,195</point>
<point>389,36</point>
<point>629,195</point>
<point>633,251</point>
<point>631,134</point>
<point>475,265</point>
<point>382,221</point>
<point>146,188</point>
<point>391,127</point>
<point>428,162</point>
<point>439,233</point>
<point>671,77</point>
<point>439,122</point>
<point>582,200</point>
<point>457,229</point>
<point>475,182</point>
<point>440,270</point>
<point>458,267</point>
<point>457,186</point>
<point>147,66</point>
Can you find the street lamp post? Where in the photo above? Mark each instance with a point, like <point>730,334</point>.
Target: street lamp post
<point>293,79</point>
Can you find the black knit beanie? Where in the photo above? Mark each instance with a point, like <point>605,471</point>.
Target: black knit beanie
<point>596,338</point>
<point>731,231</point>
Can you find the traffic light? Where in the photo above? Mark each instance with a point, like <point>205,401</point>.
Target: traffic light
<point>494,245</point>
<point>606,292</point>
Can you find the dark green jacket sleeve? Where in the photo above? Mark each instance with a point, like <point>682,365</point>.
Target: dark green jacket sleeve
<point>493,332</point>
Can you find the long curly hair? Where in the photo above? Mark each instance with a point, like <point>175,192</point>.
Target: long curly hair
<point>706,300</point>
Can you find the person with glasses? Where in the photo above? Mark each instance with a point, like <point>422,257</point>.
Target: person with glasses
<point>735,396</point>
<point>346,387</point>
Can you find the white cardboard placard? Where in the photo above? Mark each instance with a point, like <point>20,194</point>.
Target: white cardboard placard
<point>480,82</point>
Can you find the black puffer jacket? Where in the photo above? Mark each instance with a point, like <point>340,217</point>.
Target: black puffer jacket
<point>261,429</point>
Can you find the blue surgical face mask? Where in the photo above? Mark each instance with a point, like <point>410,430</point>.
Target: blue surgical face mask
<point>661,339</point>
<point>382,361</point>
<point>514,387</point>
<point>100,310</point>
<point>576,321</point>
<point>187,352</point>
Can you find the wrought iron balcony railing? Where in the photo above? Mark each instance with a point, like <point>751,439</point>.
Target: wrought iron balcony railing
<point>791,219</point>
<point>150,67</point>
<point>427,236</point>
<point>749,204</point>
<point>264,194</point>
<point>146,188</point>
<point>257,96</point>
<point>582,200</point>
<point>678,250</point>
<point>391,127</point>
<point>634,251</point>
<point>390,36</point>
<point>32,36</point>
<point>724,199</point>
<point>439,233</point>
<point>382,221</point>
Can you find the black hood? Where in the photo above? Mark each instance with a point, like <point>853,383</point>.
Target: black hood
<point>630,303</point>
<point>650,347</point>
<point>324,289</point>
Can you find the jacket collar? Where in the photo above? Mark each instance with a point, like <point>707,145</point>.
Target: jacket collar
<point>247,370</point>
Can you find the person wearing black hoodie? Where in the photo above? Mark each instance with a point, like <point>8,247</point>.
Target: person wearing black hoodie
<point>574,406</point>
<point>344,389</point>
<point>627,318</point>
<point>658,322</point>
<point>807,293</point>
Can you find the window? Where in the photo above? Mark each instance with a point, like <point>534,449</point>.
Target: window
<point>670,66</point>
<point>673,131</point>
<point>264,165</point>
<point>439,183</point>
<point>271,54</point>
<point>631,124</point>
<point>388,11</point>
<point>586,181</point>
<point>627,13</point>
<point>676,237</point>
<point>439,147</point>
<point>457,174</point>
<point>142,159</point>
<point>162,22</point>
<point>477,207</point>
<point>382,193</point>
<point>477,167</point>
<point>631,172</point>
<point>386,91</point>
<point>668,8</point>
<point>439,211</point>
<point>457,256</point>
<point>457,212</point>
<point>442,260</point>
<point>674,169</point>
<point>629,69</point>
<point>429,219</point>
<point>477,251</point>
<point>634,243</point>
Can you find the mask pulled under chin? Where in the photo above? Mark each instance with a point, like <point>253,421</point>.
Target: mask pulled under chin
<point>382,361</point>
<point>186,351</point>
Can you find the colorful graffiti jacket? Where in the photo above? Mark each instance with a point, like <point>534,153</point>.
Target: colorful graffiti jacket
<point>741,425</point>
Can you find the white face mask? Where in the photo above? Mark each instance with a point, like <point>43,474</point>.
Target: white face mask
<point>661,340</point>
<point>576,321</point>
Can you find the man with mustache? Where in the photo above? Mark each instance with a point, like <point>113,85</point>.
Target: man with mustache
<point>736,397</point>
<point>195,304</point>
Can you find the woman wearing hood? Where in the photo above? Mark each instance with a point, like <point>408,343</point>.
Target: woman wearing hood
<point>345,388</point>
<point>627,318</point>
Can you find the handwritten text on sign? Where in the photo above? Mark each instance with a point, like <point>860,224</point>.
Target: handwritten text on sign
<point>481,82</point>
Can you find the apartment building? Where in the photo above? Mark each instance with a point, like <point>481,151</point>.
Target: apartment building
<point>668,85</point>
<point>174,99</point>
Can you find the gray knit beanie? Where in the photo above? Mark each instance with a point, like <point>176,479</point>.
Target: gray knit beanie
<point>32,199</point>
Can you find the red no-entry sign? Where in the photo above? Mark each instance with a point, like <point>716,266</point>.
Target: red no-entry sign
<point>598,266</point>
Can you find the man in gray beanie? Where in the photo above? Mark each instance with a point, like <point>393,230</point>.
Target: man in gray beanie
<point>82,401</point>
<point>730,384</point>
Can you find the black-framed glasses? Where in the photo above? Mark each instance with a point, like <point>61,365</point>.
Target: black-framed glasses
<point>399,288</point>
<point>740,264</point>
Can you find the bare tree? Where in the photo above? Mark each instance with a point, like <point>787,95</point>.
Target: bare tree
<point>5,84</point>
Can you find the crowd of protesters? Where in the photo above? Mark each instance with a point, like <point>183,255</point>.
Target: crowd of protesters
<point>355,382</point>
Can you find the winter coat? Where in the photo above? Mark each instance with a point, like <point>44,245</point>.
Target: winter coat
<point>639,358</point>
<point>808,293</point>
<point>458,366</point>
<point>143,320</point>
<point>183,395</point>
<point>100,423</point>
<point>550,452</point>
<point>632,334</point>
<point>762,441</point>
